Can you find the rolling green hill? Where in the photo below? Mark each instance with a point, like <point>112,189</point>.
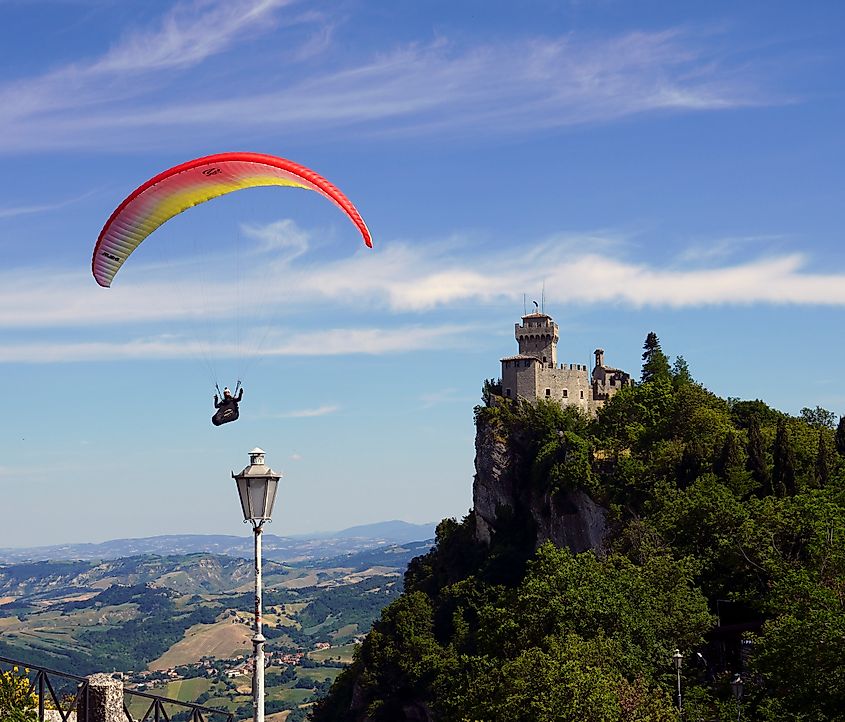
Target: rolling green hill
<point>165,611</point>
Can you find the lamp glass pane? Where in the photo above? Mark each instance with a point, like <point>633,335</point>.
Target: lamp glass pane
<point>242,494</point>
<point>272,484</point>
<point>256,494</point>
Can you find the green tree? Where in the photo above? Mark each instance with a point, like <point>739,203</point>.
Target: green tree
<point>757,465</point>
<point>802,659</point>
<point>655,362</point>
<point>819,417</point>
<point>680,372</point>
<point>730,456</point>
<point>490,391</point>
<point>824,460</point>
<point>563,463</point>
<point>840,436</point>
<point>783,453</point>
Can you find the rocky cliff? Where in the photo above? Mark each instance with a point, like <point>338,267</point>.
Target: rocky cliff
<point>517,506</point>
<point>501,491</point>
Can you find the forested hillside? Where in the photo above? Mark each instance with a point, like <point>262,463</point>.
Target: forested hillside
<point>84,617</point>
<point>725,539</point>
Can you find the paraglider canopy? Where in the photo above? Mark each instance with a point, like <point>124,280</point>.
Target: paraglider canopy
<point>189,184</point>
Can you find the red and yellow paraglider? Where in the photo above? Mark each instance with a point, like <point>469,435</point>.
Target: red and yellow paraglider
<point>189,184</point>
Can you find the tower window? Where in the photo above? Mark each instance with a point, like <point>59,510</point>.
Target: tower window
<point>582,394</point>
<point>565,393</point>
<point>548,393</point>
<point>507,392</point>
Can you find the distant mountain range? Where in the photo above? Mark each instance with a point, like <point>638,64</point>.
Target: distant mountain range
<point>301,548</point>
<point>40,583</point>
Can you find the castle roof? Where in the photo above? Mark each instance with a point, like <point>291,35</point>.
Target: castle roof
<point>519,357</point>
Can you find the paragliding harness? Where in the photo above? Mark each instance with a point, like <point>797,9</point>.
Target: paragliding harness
<point>227,408</point>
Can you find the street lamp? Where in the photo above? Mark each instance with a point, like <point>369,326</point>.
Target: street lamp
<point>257,485</point>
<point>736,686</point>
<point>678,659</point>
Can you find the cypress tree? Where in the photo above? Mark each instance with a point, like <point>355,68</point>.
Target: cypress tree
<point>840,436</point>
<point>730,457</point>
<point>757,457</point>
<point>691,465</point>
<point>824,460</point>
<point>783,472</point>
<point>655,362</point>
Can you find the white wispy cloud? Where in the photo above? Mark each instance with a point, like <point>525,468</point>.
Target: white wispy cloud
<point>188,33</point>
<point>136,66</point>
<point>710,250</point>
<point>442,396</point>
<point>15,211</point>
<point>525,85</point>
<point>408,278</point>
<point>330,342</point>
<point>309,413</point>
<point>284,238</point>
<point>404,278</point>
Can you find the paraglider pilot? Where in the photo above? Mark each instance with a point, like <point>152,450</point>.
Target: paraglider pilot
<point>227,407</point>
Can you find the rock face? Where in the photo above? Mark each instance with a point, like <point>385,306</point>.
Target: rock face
<point>567,519</point>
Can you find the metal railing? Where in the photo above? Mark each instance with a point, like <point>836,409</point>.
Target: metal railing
<point>156,711</point>
<point>43,683</point>
<point>63,693</point>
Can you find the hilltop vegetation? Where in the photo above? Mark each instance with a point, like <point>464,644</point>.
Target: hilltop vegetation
<point>726,540</point>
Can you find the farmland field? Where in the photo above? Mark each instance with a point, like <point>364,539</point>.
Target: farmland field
<point>343,652</point>
<point>220,640</point>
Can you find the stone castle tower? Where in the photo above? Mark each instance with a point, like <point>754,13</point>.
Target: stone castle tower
<point>534,372</point>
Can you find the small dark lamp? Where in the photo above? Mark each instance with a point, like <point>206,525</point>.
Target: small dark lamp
<point>736,686</point>
<point>678,658</point>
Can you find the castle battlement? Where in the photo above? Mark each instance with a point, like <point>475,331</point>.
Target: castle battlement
<point>534,372</point>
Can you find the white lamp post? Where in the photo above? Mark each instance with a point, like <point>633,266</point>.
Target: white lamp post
<point>678,659</point>
<point>257,485</point>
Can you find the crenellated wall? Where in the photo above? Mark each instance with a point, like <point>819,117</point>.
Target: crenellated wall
<point>534,373</point>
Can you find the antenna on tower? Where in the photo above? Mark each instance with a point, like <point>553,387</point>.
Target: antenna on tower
<point>524,307</point>
<point>543,297</point>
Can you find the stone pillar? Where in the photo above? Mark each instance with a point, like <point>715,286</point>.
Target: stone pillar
<point>104,700</point>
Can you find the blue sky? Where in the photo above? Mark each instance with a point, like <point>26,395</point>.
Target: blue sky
<point>656,166</point>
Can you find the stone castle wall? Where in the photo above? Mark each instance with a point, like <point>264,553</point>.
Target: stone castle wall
<point>534,372</point>
<point>528,378</point>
